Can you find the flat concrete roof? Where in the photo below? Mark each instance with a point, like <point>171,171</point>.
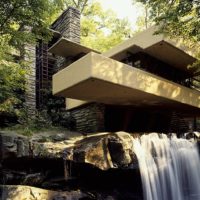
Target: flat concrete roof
<point>100,79</point>
<point>64,47</point>
<point>158,46</point>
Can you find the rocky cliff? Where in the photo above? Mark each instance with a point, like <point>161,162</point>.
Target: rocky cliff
<point>69,166</point>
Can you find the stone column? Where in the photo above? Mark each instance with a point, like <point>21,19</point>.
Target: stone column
<point>68,24</point>
<point>30,96</point>
<point>90,117</point>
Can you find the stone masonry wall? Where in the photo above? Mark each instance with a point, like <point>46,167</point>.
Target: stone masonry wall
<point>89,118</point>
<point>30,97</point>
<point>68,24</point>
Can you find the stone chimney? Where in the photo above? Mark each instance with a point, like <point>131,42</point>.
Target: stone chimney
<point>30,96</point>
<point>68,24</point>
<point>88,118</point>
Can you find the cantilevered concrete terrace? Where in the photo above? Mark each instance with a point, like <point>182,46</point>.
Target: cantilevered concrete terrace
<point>157,45</point>
<point>97,78</point>
<point>101,78</point>
<point>64,47</point>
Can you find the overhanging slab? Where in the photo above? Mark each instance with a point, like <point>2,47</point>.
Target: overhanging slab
<point>100,79</point>
<point>64,47</point>
<point>158,46</point>
<point>170,54</point>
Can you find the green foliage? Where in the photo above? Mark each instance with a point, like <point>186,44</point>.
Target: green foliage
<point>29,124</point>
<point>177,19</point>
<point>79,4</point>
<point>12,84</point>
<point>100,29</point>
<point>56,111</point>
<point>21,22</point>
<point>144,21</point>
<point>25,21</point>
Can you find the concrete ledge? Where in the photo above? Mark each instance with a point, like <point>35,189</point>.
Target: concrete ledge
<point>104,80</point>
<point>158,46</point>
<point>74,103</point>
<point>64,47</point>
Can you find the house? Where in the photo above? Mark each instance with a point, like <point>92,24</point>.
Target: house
<point>144,84</point>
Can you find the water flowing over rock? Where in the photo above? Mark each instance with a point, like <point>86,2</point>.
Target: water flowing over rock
<point>169,167</point>
<point>98,166</point>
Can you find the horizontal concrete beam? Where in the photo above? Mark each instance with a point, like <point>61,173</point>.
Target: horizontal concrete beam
<point>157,45</point>
<point>64,47</point>
<point>100,79</point>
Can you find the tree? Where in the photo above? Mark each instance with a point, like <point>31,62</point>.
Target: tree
<point>12,85</point>
<point>100,29</point>
<point>21,22</point>
<point>17,16</point>
<point>143,21</point>
<point>78,4</point>
<point>177,19</point>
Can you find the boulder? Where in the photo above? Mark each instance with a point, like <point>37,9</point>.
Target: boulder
<point>93,150</point>
<point>102,150</point>
<point>19,192</point>
<point>13,145</point>
<point>120,147</point>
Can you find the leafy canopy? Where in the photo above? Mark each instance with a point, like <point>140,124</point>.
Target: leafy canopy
<point>25,22</point>
<point>16,18</point>
<point>178,19</point>
<point>100,29</point>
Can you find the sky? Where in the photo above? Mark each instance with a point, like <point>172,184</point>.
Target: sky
<point>123,8</point>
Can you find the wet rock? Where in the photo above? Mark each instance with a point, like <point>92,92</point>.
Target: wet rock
<point>33,179</point>
<point>102,150</point>
<point>13,145</point>
<point>93,150</point>
<point>18,192</point>
<point>60,137</point>
<point>120,147</point>
<point>11,176</point>
<point>192,135</point>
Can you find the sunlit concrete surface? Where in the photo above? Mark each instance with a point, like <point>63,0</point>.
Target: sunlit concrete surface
<point>158,46</point>
<point>74,103</point>
<point>100,79</point>
<point>64,47</point>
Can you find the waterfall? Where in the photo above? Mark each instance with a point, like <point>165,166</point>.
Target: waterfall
<point>169,167</point>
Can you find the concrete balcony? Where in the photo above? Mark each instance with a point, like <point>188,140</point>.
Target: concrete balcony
<point>64,47</point>
<point>96,78</point>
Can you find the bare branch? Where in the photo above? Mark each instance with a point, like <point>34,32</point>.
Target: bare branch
<point>75,3</point>
<point>84,5</point>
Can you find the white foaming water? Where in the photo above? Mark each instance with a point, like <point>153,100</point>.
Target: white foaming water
<point>170,168</point>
